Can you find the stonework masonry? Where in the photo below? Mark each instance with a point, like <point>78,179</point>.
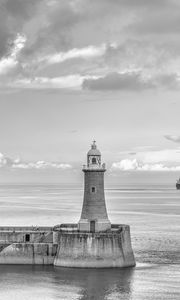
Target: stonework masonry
<point>94,206</point>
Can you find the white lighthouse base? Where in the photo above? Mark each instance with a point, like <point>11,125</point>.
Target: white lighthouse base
<point>95,250</point>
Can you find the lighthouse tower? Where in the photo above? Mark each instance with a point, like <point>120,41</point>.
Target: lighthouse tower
<point>93,242</point>
<point>94,216</point>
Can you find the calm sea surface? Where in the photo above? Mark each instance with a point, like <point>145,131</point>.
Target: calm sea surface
<point>154,216</point>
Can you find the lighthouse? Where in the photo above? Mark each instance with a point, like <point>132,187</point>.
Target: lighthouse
<point>93,242</point>
<point>94,216</point>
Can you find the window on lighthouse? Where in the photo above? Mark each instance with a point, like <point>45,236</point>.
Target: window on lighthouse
<point>93,189</point>
<point>93,160</point>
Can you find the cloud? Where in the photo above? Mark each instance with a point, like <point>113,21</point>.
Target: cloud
<point>41,165</point>
<point>64,82</point>
<point>131,81</point>
<point>14,14</point>
<point>87,52</point>
<point>7,63</point>
<point>6,162</point>
<point>134,165</point>
<point>115,44</point>
<point>157,160</point>
<point>117,81</point>
<point>173,138</point>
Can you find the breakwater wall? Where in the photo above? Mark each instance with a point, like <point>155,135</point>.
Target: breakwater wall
<point>28,253</point>
<point>63,245</point>
<point>26,234</point>
<point>27,245</point>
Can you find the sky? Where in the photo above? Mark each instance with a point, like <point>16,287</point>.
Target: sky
<point>72,71</point>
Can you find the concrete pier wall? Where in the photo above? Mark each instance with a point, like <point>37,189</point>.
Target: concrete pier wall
<point>95,250</point>
<point>26,234</point>
<point>28,253</point>
<point>64,245</point>
<point>27,245</point>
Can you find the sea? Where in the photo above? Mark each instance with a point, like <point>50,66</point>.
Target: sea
<point>152,211</point>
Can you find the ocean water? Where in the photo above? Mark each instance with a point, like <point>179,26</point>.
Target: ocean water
<point>153,213</point>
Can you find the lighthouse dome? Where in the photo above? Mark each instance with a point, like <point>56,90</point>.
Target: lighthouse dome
<point>94,151</point>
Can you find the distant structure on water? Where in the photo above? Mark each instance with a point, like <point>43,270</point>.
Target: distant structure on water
<point>91,243</point>
<point>178,184</point>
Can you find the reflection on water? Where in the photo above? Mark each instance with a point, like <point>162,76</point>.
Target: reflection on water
<point>64,283</point>
<point>95,284</point>
<point>61,283</point>
<point>50,283</point>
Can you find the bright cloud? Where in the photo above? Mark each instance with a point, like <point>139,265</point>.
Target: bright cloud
<point>6,162</point>
<point>87,52</point>
<point>64,82</point>
<point>7,63</point>
<point>41,165</point>
<point>162,160</point>
<point>134,165</point>
<point>19,44</point>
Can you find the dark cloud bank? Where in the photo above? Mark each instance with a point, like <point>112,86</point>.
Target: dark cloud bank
<point>173,138</point>
<point>130,81</point>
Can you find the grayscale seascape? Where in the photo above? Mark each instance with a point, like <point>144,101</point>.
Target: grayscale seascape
<point>153,212</point>
<point>89,103</point>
